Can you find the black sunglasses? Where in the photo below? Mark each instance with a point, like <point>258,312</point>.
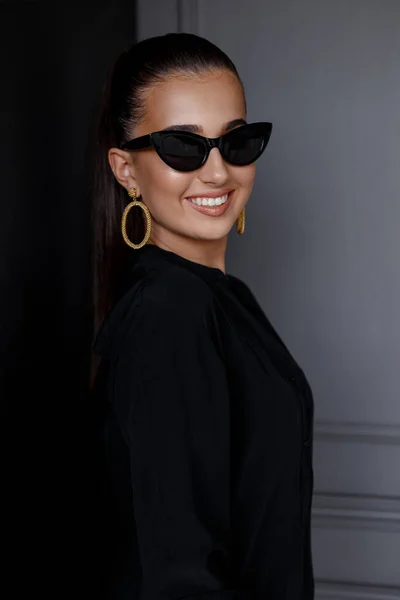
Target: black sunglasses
<point>186,151</point>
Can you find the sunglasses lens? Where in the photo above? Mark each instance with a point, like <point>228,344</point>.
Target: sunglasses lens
<point>186,152</point>
<point>182,152</point>
<point>244,145</point>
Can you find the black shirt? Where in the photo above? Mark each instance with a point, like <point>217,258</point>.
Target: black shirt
<point>207,439</point>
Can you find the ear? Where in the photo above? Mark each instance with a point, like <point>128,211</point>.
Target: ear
<point>123,168</point>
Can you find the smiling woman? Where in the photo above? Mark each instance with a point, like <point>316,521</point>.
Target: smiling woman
<point>206,419</point>
<point>188,167</point>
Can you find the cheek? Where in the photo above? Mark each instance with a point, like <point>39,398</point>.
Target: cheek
<point>159,184</point>
<point>245,176</point>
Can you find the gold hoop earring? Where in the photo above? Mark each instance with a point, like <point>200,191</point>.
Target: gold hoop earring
<point>132,194</point>
<point>241,222</point>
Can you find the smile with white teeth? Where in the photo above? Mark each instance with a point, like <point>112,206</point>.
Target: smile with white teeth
<point>209,201</point>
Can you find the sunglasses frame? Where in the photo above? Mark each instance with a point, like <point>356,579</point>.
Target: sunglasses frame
<point>155,140</point>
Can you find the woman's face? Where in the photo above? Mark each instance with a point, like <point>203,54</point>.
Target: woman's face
<point>211,106</point>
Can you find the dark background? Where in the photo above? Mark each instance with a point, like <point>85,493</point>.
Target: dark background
<point>54,61</point>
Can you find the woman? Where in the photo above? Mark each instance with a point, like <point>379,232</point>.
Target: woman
<point>207,420</point>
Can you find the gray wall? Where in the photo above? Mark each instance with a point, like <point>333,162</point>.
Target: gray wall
<point>322,246</point>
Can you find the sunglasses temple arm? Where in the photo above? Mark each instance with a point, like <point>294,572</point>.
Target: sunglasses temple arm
<point>138,143</point>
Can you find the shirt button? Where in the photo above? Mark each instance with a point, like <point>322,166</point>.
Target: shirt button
<point>307,443</point>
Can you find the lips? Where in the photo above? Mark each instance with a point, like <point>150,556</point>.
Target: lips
<point>212,211</point>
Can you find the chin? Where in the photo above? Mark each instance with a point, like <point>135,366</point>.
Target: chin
<point>212,234</point>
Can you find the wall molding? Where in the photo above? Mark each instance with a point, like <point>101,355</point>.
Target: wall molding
<point>351,511</point>
<point>357,432</point>
<point>334,590</point>
<point>188,16</point>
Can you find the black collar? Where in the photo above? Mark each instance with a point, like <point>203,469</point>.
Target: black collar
<point>154,253</point>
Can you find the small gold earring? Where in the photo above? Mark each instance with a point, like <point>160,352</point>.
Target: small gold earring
<point>241,222</point>
<point>132,194</point>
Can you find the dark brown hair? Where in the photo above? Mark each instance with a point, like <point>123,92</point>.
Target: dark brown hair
<point>134,73</point>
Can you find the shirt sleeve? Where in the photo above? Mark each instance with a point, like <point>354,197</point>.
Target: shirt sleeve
<point>173,405</point>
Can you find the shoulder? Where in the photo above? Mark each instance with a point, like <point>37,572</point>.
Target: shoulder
<point>237,282</point>
<point>240,287</point>
<point>162,302</point>
<point>173,289</point>
<point>175,304</point>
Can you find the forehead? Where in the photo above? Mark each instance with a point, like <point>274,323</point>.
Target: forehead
<point>207,101</point>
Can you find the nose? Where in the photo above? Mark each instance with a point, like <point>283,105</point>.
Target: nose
<point>214,169</point>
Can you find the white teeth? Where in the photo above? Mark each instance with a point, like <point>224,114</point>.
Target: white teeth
<point>210,201</point>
